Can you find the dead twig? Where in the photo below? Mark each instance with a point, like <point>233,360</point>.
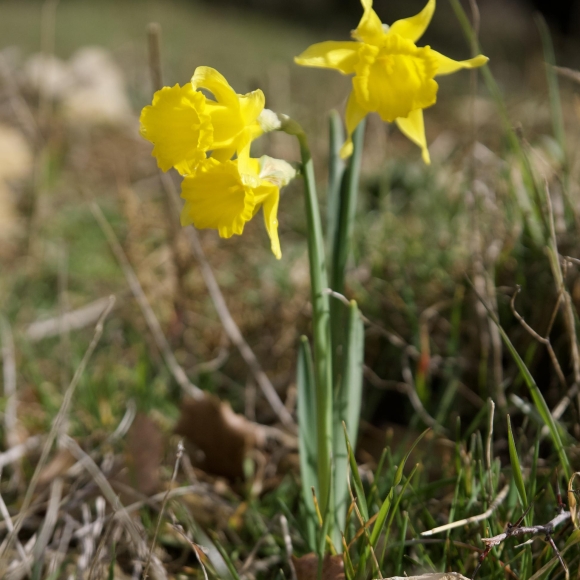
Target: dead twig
<point>72,320</point>
<point>179,455</point>
<point>545,340</point>
<point>514,530</point>
<point>473,519</point>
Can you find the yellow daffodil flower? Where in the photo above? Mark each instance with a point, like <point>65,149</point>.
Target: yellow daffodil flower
<point>392,76</point>
<point>183,124</point>
<point>224,195</point>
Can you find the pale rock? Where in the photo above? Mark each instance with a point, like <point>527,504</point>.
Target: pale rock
<point>98,92</point>
<point>47,75</point>
<point>15,163</point>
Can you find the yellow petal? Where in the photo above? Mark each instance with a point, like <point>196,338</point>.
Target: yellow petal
<point>370,28</point>
<point>354,114</point>
<point>227,123</point>
<point>270,206</point>
<point>223,154</point>
<point>247,165</point>
<point>251,105</point>
<point>413,127</point>
<point>395,79</point>
<point>210,79</point>
<point>340,56</point>
<point>414,27</point>
<point>448,65</point>
<point>216,197</point>
<point>178,125</point>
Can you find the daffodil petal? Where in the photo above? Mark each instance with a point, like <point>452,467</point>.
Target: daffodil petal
<point>413,127</point>
<point>370,28</point>
<point>227,123</point>
<point>216,197</point>
<point>178,125</point>
<point>251,105</point>
<point>414,27</point>
<point>354,114</point>
<point>448,65</point>
<point>333,54</point>
<point>245,165</point>
<point>210,79</point>
<point>270,206</point>
<point>223,154</point>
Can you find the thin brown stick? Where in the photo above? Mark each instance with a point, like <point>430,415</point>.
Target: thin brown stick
<point>55,429</point>
<point>178,457</point>
<point>545,340</point>
<point>473,519</point>
<point>71,320</point>
<point>414,397</point>
<point>154,51</point>
<point>512,531</point>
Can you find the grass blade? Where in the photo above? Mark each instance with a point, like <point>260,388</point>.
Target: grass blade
<point>384,511</point>
<point>516,467</point>
<point>356,480</point>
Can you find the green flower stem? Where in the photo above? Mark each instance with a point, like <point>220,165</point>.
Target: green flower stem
<point>320,324</point>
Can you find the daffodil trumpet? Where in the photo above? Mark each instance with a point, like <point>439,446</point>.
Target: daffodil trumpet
<point>392,76</point>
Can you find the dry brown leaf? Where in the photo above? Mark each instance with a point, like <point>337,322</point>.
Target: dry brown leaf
<point>144,454</point>
<point>224,437</point>
<point>307,567</point>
